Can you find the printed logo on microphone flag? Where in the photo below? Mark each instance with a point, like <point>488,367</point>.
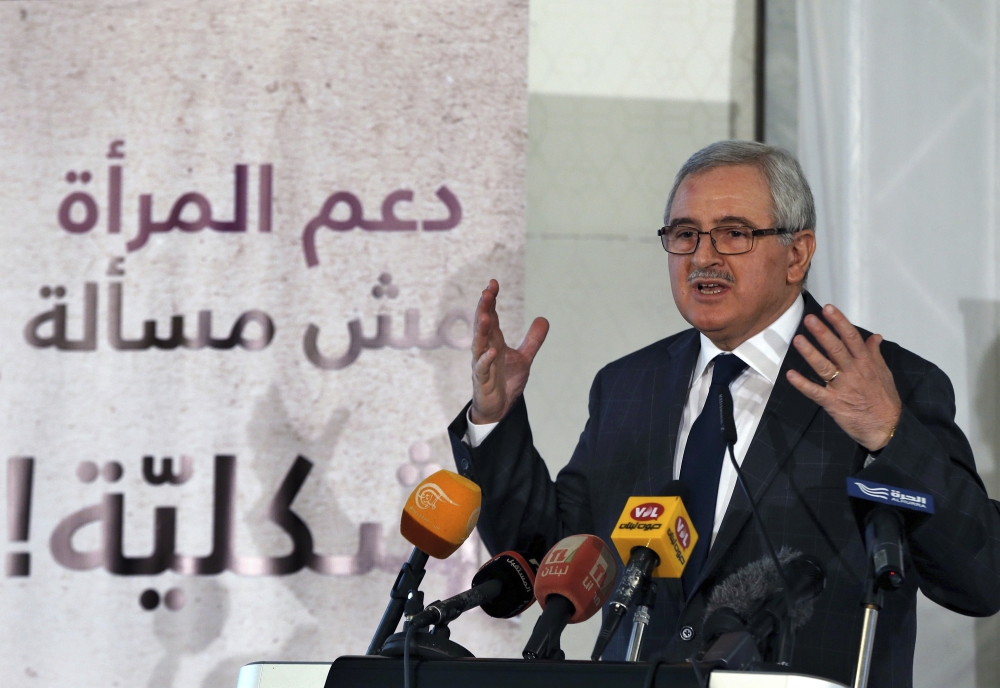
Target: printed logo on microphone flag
<point>887,494</point>
<point>649,511</point>
<point>429,495</point>
<point>683,532</point>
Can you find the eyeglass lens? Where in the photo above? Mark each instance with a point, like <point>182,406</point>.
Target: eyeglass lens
<point>728,240</point>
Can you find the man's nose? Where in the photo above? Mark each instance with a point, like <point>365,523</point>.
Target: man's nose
<point>705,254</point>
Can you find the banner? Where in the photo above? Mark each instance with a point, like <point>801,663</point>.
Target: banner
<point>242,247</point>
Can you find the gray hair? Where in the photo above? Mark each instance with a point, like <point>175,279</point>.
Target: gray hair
<point>791,200</point>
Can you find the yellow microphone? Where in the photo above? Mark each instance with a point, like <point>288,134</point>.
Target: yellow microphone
<point>655,536</point>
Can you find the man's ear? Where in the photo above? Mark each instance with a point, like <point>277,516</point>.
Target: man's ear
<point>800,253</point>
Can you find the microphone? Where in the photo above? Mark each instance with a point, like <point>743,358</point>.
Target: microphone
<point>754,601</point>
<point>884,513</point>
<point>503,587</point>
<point>439,515</point>
<point>729,436</point>
<point>655,536</point>
<point>573,582</point>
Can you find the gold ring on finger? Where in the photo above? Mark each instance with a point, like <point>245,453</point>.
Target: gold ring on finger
<point>832,377</point>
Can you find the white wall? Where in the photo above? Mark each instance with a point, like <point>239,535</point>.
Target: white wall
<point>897,134</point>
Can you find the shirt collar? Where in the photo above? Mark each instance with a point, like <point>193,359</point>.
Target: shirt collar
<point>763,352</point>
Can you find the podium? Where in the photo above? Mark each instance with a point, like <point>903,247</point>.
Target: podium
<point>381,672</point>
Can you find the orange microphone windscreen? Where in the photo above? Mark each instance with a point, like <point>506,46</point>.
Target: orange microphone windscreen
<point>441,513</point>
<point>582,569</point>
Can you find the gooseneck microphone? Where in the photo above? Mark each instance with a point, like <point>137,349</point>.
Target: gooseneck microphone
<point>439,515</point>
<point>655,536</point>
<point>503,587</point>
<point>573,582</point>
<point>729,436</point>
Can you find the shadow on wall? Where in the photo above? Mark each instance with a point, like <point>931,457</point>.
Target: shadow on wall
<point>982,351</point>
<point>190,631</point>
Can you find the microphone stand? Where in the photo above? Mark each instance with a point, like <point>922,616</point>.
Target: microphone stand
<point>419,643</point>
<point>640,620</point>
<point>882,527</point>
<point>872,604</point>
<point>410,575</point>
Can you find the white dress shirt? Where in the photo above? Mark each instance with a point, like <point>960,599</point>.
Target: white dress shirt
<point>763,353</point>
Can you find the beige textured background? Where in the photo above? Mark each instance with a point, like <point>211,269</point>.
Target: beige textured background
<point>364,97</point>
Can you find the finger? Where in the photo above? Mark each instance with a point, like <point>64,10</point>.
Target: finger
<point>481,333</point>
<point>835,349</point>
<point>849,334</point>
<point>494,288</point>
<point>821,395</point>
<point>874,345</point>
<point>483,366</point>
<point>823,367</point>
<point>534,338</point>
<point>487,321</point>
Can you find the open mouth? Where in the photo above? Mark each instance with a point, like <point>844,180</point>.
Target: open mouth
<point>709,288</point>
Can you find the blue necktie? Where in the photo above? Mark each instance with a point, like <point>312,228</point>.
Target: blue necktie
<point>701,466</point>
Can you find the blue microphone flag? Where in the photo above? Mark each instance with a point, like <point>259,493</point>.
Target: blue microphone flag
<point>887,494</point>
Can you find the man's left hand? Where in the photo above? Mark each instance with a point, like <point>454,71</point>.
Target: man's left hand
<point>860,394</point>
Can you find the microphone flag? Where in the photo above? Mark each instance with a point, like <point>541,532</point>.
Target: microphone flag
<point>661,524</point>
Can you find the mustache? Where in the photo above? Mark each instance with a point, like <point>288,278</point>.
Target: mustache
<point>711,274</point>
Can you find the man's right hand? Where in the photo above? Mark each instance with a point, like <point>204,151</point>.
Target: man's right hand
<point>499,373</point>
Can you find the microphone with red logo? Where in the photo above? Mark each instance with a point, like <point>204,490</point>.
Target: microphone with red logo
<point>439,515</point>
<point>573,582</point>
<point>655,536</point>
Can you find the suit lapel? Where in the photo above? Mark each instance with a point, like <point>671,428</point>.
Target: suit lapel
<point>676,380</point>
<point>786,417</point>
<point>671,379</point>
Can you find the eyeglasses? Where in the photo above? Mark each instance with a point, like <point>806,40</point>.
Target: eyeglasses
<point>728,241</point>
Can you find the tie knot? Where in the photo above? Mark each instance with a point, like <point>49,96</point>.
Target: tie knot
<point>727,368</point>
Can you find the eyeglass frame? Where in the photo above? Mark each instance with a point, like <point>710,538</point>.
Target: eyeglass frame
<point>662,232</point>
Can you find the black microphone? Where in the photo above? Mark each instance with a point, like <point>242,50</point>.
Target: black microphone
<point>754,604</point>
<point>504,587</point>
<point>443,611</point>
<point>884,544</point>
<point>884,513</point>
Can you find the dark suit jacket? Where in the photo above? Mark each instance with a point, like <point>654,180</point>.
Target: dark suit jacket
<point>796,469</point>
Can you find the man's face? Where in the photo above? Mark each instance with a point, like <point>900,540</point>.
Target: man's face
<point>732,298</point>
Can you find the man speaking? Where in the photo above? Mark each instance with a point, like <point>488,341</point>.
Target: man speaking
<point>815,401</point>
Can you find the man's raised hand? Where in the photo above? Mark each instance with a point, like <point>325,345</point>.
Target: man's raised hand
<point>499,372</point>
<point>860,393</point>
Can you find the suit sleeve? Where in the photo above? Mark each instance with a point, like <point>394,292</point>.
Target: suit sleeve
<point>523,508</point>
<point>956,551</point>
